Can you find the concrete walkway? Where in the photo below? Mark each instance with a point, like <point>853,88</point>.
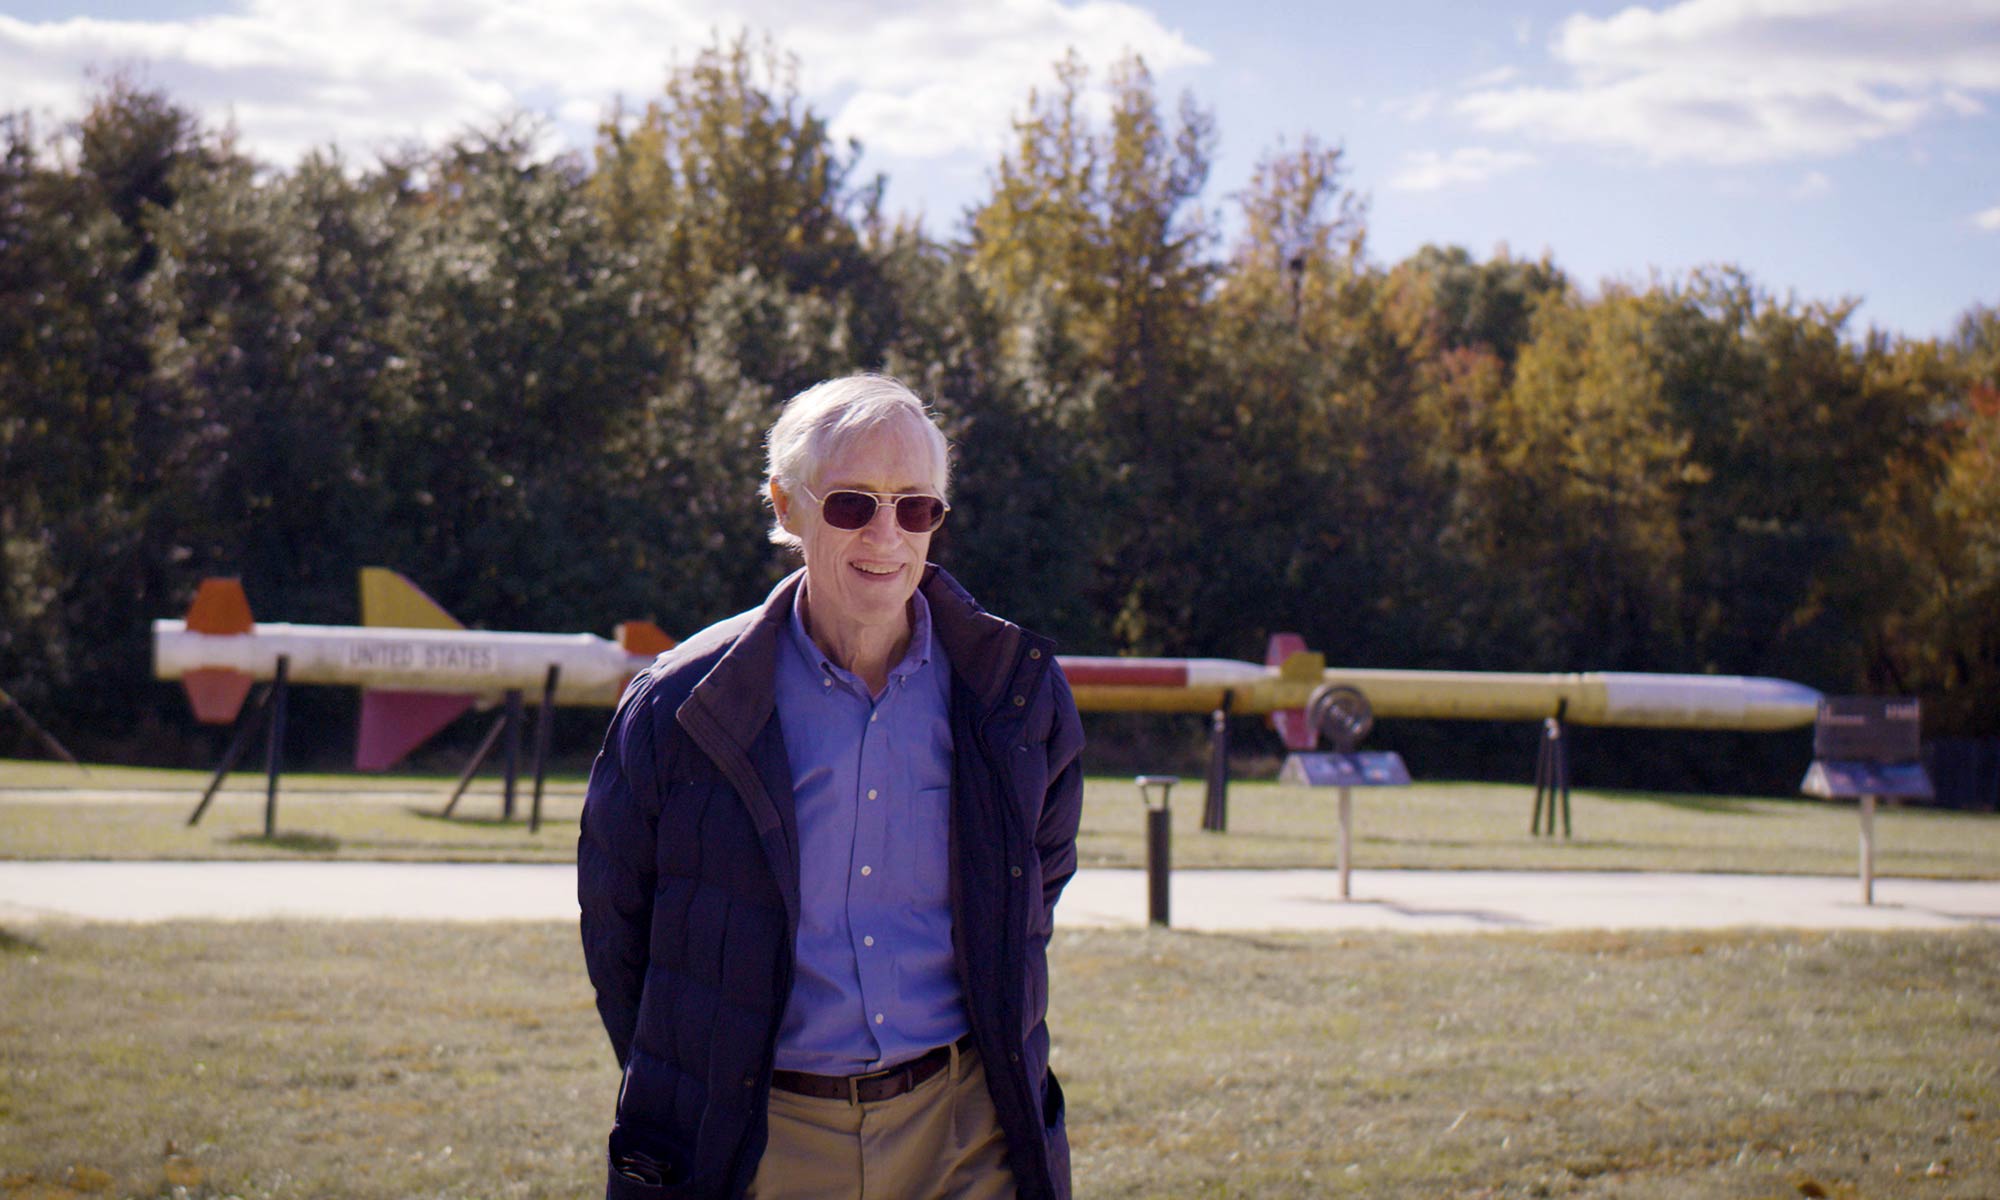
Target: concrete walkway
<point>1410,901</point>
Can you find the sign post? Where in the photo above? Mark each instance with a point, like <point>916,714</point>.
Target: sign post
<point>1866,747</point>
<point>1343,716</point>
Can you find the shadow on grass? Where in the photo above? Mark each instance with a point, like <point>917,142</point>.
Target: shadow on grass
<point>1733,805</point>
<point>303,843</point>
<point>15,943</point>
<point>485,822</point>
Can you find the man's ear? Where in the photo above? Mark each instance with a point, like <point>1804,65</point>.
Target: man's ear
<point>782,505</point>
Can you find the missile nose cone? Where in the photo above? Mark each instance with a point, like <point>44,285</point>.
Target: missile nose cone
<point>1779,703</point>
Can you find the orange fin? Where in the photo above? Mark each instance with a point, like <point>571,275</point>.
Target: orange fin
<point>644,637</point>
<point>220,607</point>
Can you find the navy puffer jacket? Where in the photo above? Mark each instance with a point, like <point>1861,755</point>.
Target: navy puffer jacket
<point>688,876</point>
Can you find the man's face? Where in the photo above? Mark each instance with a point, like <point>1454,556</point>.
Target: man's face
<point>864,577</point>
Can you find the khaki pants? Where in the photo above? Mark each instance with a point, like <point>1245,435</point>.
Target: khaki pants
<point>939,1139</point>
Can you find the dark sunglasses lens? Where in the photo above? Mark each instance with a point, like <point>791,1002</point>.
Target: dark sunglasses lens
<point>919,514</point>
<point>848,510</point>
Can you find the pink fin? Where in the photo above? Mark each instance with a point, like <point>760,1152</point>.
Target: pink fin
<point>394,723</point>
<point>217,693</point>
<point>1291,723</point>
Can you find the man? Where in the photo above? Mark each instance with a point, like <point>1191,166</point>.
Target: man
<point>821,852</point>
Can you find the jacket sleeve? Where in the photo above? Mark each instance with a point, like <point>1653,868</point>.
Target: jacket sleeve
<point>615,865</point>
<point>1062,805</point>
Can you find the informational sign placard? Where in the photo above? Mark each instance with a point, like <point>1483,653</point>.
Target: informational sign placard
<point>1848,780</point>
<point>1865,748</point>
<point>1371,768</point>
<point>1881,729</point>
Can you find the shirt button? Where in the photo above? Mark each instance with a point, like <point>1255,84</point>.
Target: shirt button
<point>826,683</point>
<point>868,870</point>
<point>878,1018</point>
<point>868,941</point>
<point>871,793</point>
<point>872,716</point>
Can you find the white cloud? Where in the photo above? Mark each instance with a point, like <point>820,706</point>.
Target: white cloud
<point>1988,220</point>
<point>1412,108</point>
<point>1745,81</point>
<point>914,78</point>
<point>1813,185</point>
<point>1428,171</point>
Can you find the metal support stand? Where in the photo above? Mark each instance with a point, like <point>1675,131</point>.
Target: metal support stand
<point>544,730</point>
<point>48,739</point>
<point>274,747</point>
<point>1551,777</point>
<point>1868,849</point>
<point>514,719</point>
<point>1159,844</point>
<point>247,727</point>
<point>1215,814</point>
<point>1346,839</point>
<point>477,760</point>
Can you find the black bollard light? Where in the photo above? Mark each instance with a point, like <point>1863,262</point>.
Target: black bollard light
<point>1159,843</point>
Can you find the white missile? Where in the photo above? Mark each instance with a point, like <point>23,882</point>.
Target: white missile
<point>418,667</point>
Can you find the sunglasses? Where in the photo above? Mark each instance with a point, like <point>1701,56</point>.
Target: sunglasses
<point>916,512</point>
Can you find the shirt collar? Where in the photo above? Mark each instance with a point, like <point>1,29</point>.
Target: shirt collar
<point>914,659</point>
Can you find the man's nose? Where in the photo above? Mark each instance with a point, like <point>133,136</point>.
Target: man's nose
<point>883,524</point>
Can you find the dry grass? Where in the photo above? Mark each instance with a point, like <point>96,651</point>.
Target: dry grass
<point>1486,826</point>
<point>395,1060</point>
<point>143,815</point>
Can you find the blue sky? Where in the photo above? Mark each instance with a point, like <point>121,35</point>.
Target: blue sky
<point>1831,148</point>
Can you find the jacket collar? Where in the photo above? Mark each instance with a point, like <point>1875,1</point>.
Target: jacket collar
<point>738,695</point>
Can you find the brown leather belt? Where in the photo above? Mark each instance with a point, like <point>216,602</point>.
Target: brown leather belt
<point>874,1086</point>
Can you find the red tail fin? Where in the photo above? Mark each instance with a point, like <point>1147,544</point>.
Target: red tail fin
<point>220,609</point>
<point>1291,723</point>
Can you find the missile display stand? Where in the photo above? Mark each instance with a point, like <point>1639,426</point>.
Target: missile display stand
<point>1551,777</point>
<point>509,723</point>
<point>1215,812</point>
<point>271,700</point>
<point>35,727</point>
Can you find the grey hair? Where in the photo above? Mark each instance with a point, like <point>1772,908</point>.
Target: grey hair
<point>818,424</point>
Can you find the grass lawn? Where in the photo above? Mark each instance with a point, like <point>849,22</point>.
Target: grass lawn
<point>54,811</point>
<point>398,1060</point>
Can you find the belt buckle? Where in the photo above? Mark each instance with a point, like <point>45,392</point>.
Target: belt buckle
<point>854,1083</point>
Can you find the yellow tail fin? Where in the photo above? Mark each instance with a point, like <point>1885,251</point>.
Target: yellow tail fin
<point>389,599</point>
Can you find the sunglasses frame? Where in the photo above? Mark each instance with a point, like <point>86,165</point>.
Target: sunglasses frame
<point>894,501</point>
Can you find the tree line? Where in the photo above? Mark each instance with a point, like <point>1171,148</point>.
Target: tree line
<point>538,384</point>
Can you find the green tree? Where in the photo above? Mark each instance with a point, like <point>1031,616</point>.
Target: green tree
<point>84,433</point>
<point>1092,243</point>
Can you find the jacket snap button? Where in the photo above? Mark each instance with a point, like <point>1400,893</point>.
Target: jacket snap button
<point>1034,654</point>
<point>1016,871</point>
<point>1019,701</point>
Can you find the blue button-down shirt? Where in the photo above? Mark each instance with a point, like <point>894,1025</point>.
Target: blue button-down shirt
<point>876,982</point>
